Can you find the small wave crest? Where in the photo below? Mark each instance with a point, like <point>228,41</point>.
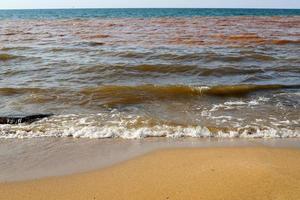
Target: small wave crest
<point>186,69</point>
<point>284,42</point>
<point>6,57</point>
<point>14,91</point>
<point>95,44</point>
<point>152,92</point>
<point>111,95</point>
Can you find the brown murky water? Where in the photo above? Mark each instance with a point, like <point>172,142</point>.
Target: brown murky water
<point>144,77</point>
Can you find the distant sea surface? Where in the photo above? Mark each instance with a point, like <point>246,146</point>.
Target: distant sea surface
<point>140,13</point>
<point>135,73</point>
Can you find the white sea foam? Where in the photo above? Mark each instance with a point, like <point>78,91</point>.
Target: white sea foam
<point>113,132</point>
<point>235,103</point>
<point>134,127</point>
<point>200,89</point>
<point>232,105</point>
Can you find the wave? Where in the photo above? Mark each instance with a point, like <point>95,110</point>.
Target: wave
<point>111,95</point>
<point>287,69</point>
<point>14,91</point>
<point>98,36</point>
<point>130,54</point>
<point>166,69</point>
<point>241,90</point>
<point>20,48</point>
<point>193,69</point>
<point>114,96</point>
<point>239,58</point>
<point>115,125</point>
<point>6,57</point>
<point>172,56</point>
<point>124,95</point>
<point>284,42</point>
<point>154,69</point>
<point>177,91</point>
<point>95,44</point>
<point>253,38</point>
<point>247,38</point>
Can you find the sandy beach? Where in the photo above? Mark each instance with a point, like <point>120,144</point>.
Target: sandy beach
<point>157,103</point>
<point>183,173</point>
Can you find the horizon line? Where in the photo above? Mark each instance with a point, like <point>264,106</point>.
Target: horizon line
<point>74,8</point>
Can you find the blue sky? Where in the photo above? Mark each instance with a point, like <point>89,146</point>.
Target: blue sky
<point>9,4</point>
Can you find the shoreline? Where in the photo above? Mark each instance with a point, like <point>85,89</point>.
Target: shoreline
<point>178,173</point>
<point>29,159</point>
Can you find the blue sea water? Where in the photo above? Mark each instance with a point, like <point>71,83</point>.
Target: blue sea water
<point>140,13</point>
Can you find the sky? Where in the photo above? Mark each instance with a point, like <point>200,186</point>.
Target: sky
<point>25,4</point>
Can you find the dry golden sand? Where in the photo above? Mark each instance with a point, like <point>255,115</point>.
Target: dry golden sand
<point>212,173</point>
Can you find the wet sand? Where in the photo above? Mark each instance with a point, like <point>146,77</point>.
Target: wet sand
<point>184,173</point>
<point>38,158</point>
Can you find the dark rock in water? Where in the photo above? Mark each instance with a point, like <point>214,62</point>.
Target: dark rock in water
<point>22,119</point>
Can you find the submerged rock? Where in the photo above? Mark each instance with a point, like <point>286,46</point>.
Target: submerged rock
<point>22,119</point>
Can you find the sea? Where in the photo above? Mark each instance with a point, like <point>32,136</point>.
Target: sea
<point>140,73</point>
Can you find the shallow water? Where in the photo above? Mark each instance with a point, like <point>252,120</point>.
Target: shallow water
<point>133,77</point>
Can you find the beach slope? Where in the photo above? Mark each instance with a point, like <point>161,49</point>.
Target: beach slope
<point>200,173</point>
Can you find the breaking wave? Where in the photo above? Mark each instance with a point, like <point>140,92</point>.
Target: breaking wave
<point>114,125</point>
<point>117,94</point>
